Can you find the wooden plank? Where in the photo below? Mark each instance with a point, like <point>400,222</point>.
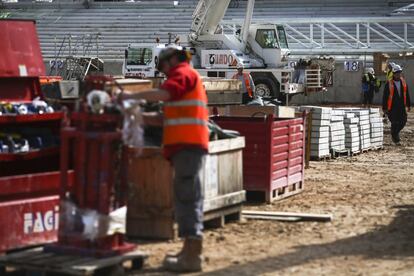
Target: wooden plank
<point>107,262</point>
<point>230,172</point>
<point>220,146</point>
<point>303,216</point>
<point>308,141</point>
<point>261,111</point>
<point>224,201</point>
<point>222,85</point>
<point>287,219</point>
<point>35,258</point>
<point>21,254</point>
<point>150,194</point>
<point>234,210</point>
<point>132,85</point>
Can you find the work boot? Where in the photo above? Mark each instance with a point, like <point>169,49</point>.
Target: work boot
<point>190,259</point>
<point>175,255</point>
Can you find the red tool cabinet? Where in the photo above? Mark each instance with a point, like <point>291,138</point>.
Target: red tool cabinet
<point>273,159</point>
<point>29,181</point>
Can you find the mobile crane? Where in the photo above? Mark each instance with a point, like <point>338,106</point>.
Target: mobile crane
<point>261,48</point>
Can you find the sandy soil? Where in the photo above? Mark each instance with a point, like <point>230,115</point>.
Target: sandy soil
<point>371,197</point>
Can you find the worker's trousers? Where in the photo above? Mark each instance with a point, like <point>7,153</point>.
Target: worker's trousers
<point>396,127</point>
<point>188,191</point>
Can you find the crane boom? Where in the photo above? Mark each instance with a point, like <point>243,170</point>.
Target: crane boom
<point>207,16</point>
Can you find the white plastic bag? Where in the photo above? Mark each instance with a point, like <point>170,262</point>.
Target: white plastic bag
<point>132,131</point>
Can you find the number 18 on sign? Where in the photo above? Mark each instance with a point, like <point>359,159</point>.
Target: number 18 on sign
<point>351,65</point>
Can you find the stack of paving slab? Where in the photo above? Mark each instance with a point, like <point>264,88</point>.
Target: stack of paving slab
<point>337,131</point>
<point>377,128</point>
<point>352,139</point>
<point>364,128</point>
<point>321,120</point>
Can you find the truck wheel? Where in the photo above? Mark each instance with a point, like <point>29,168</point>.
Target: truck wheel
<point>266,88</point>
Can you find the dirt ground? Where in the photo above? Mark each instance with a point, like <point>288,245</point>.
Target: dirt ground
<point>371,197</point>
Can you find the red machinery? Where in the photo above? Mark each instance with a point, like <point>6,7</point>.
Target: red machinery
<point>29,181</point>
<point>94,142</point>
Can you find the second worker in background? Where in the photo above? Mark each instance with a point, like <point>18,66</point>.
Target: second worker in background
<point>396,102</point>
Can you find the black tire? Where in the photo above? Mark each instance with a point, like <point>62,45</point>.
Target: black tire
<point>266,88</point>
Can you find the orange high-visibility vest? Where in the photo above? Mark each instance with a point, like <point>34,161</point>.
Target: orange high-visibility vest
<point>392,89</point>
<point>185,120</point>
<point>246,78</point>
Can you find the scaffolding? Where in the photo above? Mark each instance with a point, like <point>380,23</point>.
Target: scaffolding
<point>350,35</point>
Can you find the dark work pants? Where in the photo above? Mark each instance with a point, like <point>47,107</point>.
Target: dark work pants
<point>368,97</point>
<point>188,192</point>
<point>396,127</point>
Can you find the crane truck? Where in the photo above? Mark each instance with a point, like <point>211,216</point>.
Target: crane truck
<point>262,49</point>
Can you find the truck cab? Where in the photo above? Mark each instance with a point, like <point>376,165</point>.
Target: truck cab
<point>141,60</point>
<point>270,43</point>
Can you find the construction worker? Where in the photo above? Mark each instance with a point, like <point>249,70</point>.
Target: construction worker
<point>247,82</point>
<point>185,141</point>
<point>370,85</point>
<point>395,101</point>
<point>389,73</point>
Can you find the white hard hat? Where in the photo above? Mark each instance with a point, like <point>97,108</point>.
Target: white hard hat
<point>369,70</point>
<point>240,66</point>
<point>396,68</point>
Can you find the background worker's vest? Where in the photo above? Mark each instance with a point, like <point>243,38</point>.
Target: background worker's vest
<point>390,75</point>
<point>392,90</point>
<point>185,120</point>
<point>246,78</point>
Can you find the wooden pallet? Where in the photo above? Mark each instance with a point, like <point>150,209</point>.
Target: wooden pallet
<point>218,218</point>
<point>341,153</point>
<point>38,261</point>
<point>281,193</point>
<point>321,158</point>
<point>377,148</point>
<point>355,153</point>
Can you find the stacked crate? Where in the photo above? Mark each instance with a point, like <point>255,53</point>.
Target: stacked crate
<point>377,128</point>
<point>352,139</point>
<point>337,131</point>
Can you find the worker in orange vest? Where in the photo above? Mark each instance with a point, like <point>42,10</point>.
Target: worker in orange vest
<point>247,83</point>
<point>396,102</point>
<point>185,140</point>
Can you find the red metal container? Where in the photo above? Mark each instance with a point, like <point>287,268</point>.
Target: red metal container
<point>29,205</point>
<point>29,181</point>
<point>21,55</point>
<point>273,159</point>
